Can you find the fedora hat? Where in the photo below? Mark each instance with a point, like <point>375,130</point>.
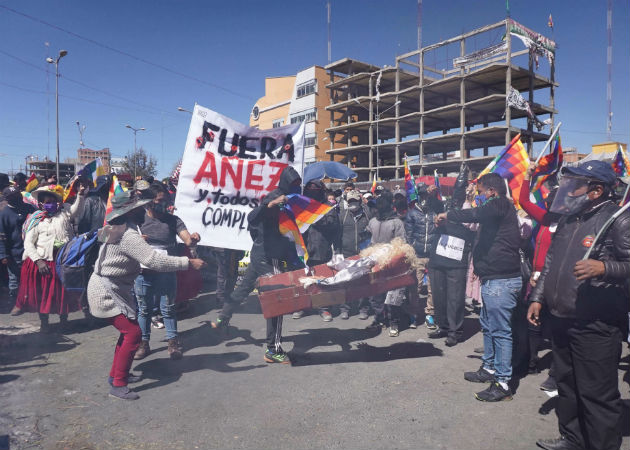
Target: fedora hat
<point>55,190</point>
<point>124,202</point>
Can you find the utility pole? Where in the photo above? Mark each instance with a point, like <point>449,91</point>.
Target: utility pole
<point>62,53</point>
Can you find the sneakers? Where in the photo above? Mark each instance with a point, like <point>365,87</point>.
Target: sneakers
<point>130,379</point>
<point>549,385</point>
<point>16,311</point>
<point>174,350</point>
<point>376,323</point>
<point>123,392</point>
<point>143,351</point>
<point>220,323</point>
<point>479,350</point>
<point>363,315</point>
<point>413,323</point>
<point>430,322</point>
<point>326,316</point>
<point>393,330</point>
<point>560,443</point>
<point>437,334</point>
<point>480,376</point>
<point>297,315</point>
<point>494,393</point>
<point>156,322</point>
<point>280,356</point>
<point>344,315</point>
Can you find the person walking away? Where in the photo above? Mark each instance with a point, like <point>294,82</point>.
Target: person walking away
<point>588,303</point>
<point>429,206</point>
<point>12,218</point>
<point>109,290</point>
<point>46,231</point>
<point>383,229</point>
<point>160,229</point>
<point>321,237</point>
<point>269,250</point>
<point>448,267</point>
<point>497,263</point>
<point>354,238</point>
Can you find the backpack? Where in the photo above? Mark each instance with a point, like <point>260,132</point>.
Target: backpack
<point>75,261</point>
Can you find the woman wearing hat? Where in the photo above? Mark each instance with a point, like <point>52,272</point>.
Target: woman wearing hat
<point>109,291</point>
<point>45,231</point>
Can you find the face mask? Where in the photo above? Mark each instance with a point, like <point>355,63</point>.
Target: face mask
<point>566,201</point>
<point>423,205</point>
<point>15,201</point>
<point>159,208</point>
<point>137,217</point>
<point>480,199</point>
<point>295,189</point>
<point>50,208</point>
<point>354,207</point>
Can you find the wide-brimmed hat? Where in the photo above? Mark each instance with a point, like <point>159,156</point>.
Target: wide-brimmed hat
<point>124,202</point>
<point>55,190</point>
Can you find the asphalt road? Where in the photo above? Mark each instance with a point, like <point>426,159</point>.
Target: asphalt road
<point>348,387</point>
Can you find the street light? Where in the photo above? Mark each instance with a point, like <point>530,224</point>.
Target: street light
<point>135,131</point>
<point>49,60</point>
<point>377,117</point>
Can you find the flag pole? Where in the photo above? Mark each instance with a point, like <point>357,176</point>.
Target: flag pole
<point>604,229</point>
<point>555,131</point>
<point>625,195</point>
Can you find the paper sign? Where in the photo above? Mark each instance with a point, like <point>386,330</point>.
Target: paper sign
<point>227,169</point>
<point>450,247</point>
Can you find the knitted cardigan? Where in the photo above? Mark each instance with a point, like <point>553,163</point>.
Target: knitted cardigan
<point>118,265</point>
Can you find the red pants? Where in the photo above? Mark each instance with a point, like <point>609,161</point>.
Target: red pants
<point>128,343</point>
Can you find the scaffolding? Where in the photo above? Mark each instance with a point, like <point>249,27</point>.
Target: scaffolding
<point>439,114</point>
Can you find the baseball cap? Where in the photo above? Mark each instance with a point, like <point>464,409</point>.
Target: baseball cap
<point>596,170</point>
<point>353,195</point>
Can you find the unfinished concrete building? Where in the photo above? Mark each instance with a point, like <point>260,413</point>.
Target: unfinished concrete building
<point>443,104</point>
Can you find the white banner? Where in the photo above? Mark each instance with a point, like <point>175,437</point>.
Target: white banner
<point>226,171</point>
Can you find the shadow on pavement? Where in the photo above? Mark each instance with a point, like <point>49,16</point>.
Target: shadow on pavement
<point>164,371</point>
<point>16,349</point>
<point>364,352</point>
<point>8,377</point>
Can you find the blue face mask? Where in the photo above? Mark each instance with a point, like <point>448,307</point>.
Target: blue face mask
<point>295,189</point>
<point>480,199</point>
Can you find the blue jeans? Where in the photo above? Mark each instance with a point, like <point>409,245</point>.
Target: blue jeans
<point>151,288</point>
<point>499,300</point>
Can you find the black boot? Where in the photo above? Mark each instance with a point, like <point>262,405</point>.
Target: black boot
<point>44,326</point>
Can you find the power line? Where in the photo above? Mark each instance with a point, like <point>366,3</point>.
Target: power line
<point>80,83</point>
<point>124,53</point>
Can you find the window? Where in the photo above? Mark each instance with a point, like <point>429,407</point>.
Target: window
<point>310,140</point>
<point>277,123</point>
<point>304,116</point>
<point>304,89</point>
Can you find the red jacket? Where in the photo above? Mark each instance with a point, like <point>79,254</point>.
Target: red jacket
<point>544,235</point>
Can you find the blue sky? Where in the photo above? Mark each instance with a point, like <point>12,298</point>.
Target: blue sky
<point>227,49</point>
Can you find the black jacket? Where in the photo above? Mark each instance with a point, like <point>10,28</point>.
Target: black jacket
<point>353,230</point>
<point>442,234</point>
<point>419,228</point>
<point>604,298</point>
<point>496,253</point>
<point>93,216</point>
<point>263,223</point>
<point>11,221</point>
<point>321,237</point>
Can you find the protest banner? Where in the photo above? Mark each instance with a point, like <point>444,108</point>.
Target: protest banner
<point>226,170</point>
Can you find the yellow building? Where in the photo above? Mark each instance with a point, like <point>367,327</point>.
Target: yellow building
<point>299,98</point>
<point>607,150</point>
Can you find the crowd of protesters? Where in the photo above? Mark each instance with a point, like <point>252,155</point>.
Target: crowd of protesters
<point>476,247</point>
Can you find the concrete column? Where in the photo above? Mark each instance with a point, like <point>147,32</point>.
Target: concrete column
<point>397,129</point>
<point>462,100</point>
<point>421,108</point>
<point>371,130</point>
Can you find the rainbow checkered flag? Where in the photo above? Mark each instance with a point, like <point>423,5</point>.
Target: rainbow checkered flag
<point>511,163</point>
<point>410,187</point>
<point>296,216</point>
<point>547,166</point>
<point>115,188</point>
<point>621,165</point>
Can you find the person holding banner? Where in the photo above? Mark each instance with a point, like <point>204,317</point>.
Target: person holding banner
<point>584,284</point>
<point>269,251</point>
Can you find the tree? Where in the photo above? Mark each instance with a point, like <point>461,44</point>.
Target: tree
<point>140,164</point>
